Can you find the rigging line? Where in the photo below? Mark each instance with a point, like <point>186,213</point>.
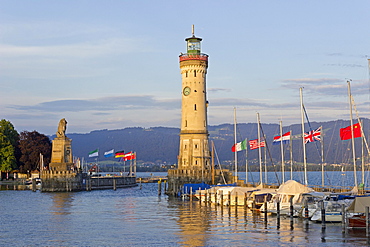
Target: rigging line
<point>358,119</point>
<point>309,125</point>
<point>268,151</point>
<point>219,164</point>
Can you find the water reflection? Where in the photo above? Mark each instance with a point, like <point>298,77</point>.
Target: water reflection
<point>202,225</point>
<point>62,203</point>
<point>194,222</point>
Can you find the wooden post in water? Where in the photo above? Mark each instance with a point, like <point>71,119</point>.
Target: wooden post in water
<point>277,213</point>
<point>159,187</point>
<point>291,208</point>
<point>343,218</point>
<point>34,185</point>
<point>216,198</point>
<point>229,198</point>
<point>236,199</point>
<point>165,186</point>
<point>245,201</point>
<point>222,199</point>
<point>191,194</point>
<point>114,184</point>
<point>200,197</point>
<point>205,198</point>
<point>367,220</point>
<point>323,219</point>
<point>306,211</point>
<point>265,205</point>
<point>140,183</point>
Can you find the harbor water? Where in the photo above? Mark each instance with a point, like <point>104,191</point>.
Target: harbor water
<point>138,216</point>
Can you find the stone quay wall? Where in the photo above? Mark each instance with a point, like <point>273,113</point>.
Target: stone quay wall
<point>62,181</point>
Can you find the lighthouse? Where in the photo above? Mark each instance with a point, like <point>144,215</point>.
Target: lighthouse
<point>194,159</point>
<point>194,152</point>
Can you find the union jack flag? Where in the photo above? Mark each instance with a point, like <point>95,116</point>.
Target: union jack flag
<point>313,135</point>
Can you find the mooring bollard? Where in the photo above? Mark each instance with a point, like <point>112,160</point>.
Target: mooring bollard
<point>159,187</point>
<point>323,220</point>
<point>114,184</point>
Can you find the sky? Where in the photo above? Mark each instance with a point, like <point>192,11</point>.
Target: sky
<point>114,64</point>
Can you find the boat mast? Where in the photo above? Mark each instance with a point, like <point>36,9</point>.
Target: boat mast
<point>282,152</point>
<point>353,139</point>
<point>258,145</point>
<point>303,141</point>
<point>235,153</point>
<point>265,152</point>
<point>291,155</point>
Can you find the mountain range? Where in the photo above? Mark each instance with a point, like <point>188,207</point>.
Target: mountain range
<point>160,145</point>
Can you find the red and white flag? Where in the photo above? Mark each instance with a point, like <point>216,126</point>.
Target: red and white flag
<point>253,144</point>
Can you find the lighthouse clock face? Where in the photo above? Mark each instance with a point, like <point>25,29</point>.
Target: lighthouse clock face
<point>186,91</point>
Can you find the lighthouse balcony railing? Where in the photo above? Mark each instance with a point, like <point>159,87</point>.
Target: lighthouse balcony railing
<point>188,56</point>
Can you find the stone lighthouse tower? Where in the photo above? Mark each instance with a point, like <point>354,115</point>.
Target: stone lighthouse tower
<point>194,159</point>
<point>194,153</point>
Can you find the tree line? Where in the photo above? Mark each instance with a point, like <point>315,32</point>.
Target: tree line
<point>21,151</point>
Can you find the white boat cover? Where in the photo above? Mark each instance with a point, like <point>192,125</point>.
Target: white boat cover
<point>293,187</point>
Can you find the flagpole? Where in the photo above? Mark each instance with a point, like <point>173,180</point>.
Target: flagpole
<point>246,163</point>
<point>235,153</point>
<point>258,145</point>
<point>282,152</point>
<point>322,159</point>
<point>352,133</point>
<point>362,159</point>
<point>303,141</point>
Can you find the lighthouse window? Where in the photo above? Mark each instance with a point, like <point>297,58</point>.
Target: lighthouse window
<point>186,123</point>
<point>186,74</point>
<point>196,162</point>
<point>196,146</point>
<point>195,107</point>
<point>195,73</point>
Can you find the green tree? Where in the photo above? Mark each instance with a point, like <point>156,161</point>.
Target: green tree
<point>9,138</point>
<point>31,145</point>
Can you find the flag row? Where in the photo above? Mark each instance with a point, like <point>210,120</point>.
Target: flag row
<point>119,154</point>
<point>311,136</point>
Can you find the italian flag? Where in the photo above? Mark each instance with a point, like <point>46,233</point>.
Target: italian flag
<point>239,146</point>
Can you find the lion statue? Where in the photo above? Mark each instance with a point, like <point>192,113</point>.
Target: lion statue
<point>62,128</point>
